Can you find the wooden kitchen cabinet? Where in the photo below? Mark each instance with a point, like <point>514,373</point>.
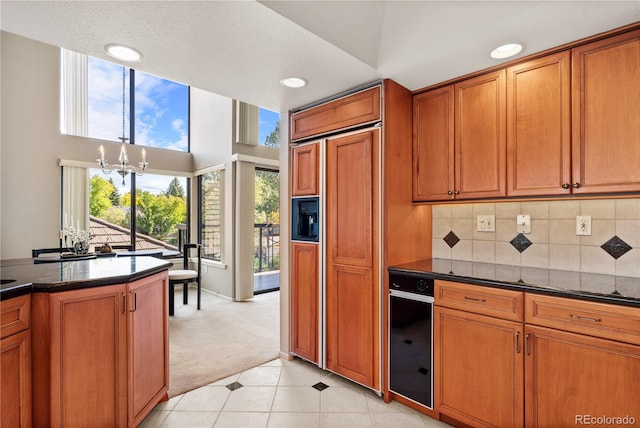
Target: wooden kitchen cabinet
<point>304,170</point>
<point>148,345</point>
<point>570,377</point>
<point>480,136</point>
<point>352,264</point>
<point>539,126</point>
<point>478,359</point>
<point>101,354</point>
<point>15,362</point>
<point>605,81</point>
<point>433,145</point>
<point>475,165</point>
<point>582,360</point>
<point>304,300</point>
<point>348,111</point>
<point>80,357</point>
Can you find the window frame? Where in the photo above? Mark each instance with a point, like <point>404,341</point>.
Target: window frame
<point>221,169</point>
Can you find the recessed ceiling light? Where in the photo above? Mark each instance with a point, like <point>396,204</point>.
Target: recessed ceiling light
<point>293,82</point>
<point>507,50</point>
<point>123,53</point>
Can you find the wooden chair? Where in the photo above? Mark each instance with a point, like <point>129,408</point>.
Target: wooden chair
<point>185,275</point>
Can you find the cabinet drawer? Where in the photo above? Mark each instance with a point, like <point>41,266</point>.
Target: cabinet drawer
<point>505,304</point>
<point>359,108</point>
<point>596,319</point>
<point>15,315</point>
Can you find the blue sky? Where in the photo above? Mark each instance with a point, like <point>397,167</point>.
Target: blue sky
<point>161,116</point>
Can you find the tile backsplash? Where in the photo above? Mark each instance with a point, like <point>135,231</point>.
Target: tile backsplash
<point>612,248</point>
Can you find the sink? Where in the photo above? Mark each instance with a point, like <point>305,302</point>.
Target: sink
<point>6,281</point>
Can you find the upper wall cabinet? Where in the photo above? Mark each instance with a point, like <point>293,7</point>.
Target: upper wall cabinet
<point>606,115</point>
<point>480,150</point>
<point>561,124</point>
<point>433,161</point>
<point>356,109</point>
<point>459,140</point>
<point>538,126</point>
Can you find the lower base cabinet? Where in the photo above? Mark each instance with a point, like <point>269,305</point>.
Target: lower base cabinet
<point>15,372</point>
<point>480,381</point>
<point>574,379</point>
<point>15,362</point>
<point>101,357</point>
<point>560,368</point>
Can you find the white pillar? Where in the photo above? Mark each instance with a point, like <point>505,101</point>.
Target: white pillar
<point>246,123</point>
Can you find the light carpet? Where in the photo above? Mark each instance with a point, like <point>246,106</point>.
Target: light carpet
<point>221,339</point>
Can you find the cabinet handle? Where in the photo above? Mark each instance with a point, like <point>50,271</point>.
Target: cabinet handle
<point>576,185</point>
<point>135,302</point>
<point>456,192</point>
<point>527,348</point>
<point>565,185</point>
<point>517,342</point>
<point>124,303</point>
<point>579,318</point>
<point>450,192</point>
<point>474,299</point>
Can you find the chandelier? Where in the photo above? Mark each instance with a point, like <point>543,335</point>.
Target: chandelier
<point>122,167</point>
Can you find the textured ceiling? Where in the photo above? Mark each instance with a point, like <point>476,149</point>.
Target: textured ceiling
<point>242,49</point>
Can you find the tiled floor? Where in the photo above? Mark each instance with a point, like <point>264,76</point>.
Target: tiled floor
<point>281,393</point>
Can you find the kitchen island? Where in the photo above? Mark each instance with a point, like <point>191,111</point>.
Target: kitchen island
<point>85,342</point>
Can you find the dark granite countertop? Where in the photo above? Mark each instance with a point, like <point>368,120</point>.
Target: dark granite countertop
<point>28,277</point>
<point>578,285</point>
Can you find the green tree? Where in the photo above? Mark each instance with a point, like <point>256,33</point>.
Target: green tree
<point>267,196</point>
<point>157,215</point>
<point>273,139</point>
<point>115,194</point>
<point>175,189</point>
<point>116,215</point>
<point>100,191</point>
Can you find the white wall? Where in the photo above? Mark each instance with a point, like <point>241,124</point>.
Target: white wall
<point>32,145</point>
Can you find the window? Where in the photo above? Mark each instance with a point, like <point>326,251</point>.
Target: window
<point>160,207</point>
<point>210,187</point>
<point>268,128</point>
<point>162,113</point>
<point>92,103</point>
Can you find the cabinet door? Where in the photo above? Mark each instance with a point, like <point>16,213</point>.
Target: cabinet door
<point>304,300</point>
<point>352,324</point>
<point>304,170</point>
<point>538,127</point>
<point>480,141</point>
<point>15,371</point>
<point>433,144</point>
<point>605,82</point>
<point>355,109</point>
<point>352,285</point>
<point>148,345</point>
<point>570,377</point>
<point>478,368</point>
<point>88,357</point>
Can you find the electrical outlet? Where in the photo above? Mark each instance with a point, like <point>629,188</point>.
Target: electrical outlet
<point>486,223</point>
<point>583,225</point>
